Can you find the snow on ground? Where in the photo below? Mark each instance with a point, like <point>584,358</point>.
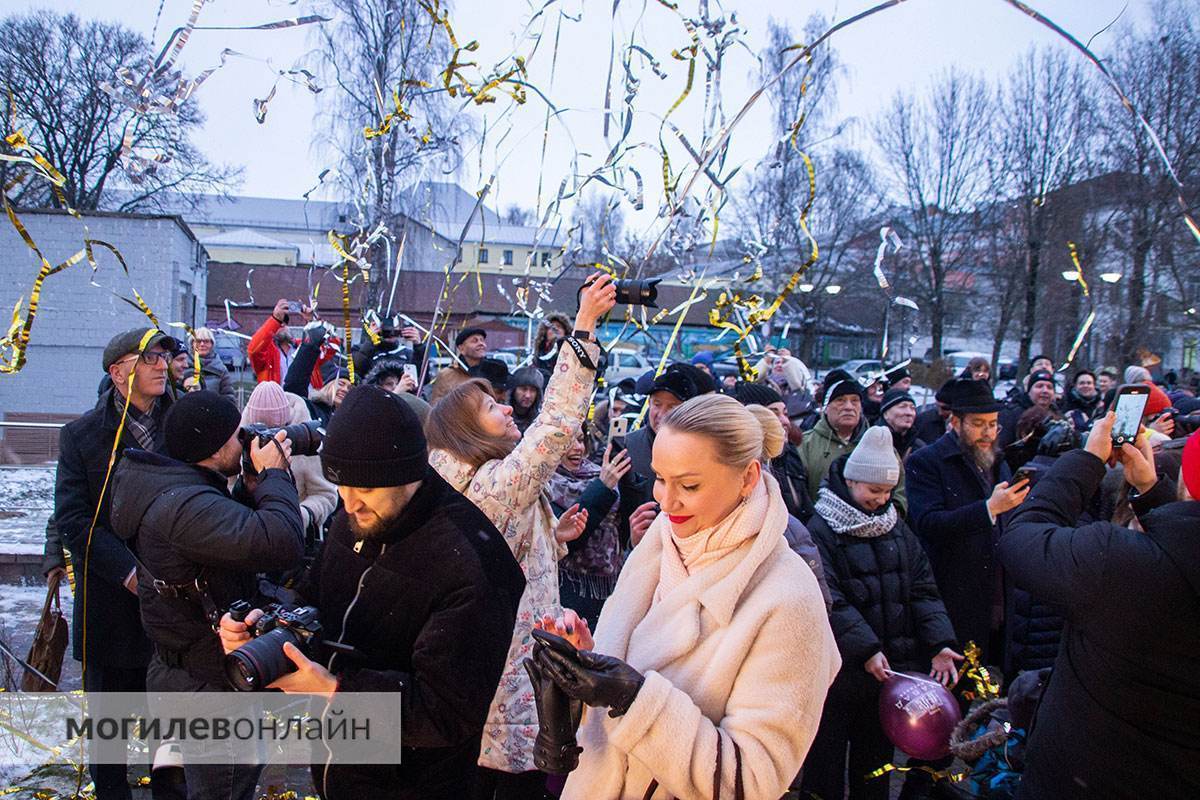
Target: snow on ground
<point>26,500</point>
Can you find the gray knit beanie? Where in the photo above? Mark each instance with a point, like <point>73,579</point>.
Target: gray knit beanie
<point>874,459</point>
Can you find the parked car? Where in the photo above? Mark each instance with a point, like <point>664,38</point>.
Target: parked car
<point>230,349</point>
<point>862,368</point>
<point>510,360</point>
<point>624,364</point>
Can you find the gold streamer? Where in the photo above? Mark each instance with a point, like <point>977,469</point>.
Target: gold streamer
<point>985,688</point>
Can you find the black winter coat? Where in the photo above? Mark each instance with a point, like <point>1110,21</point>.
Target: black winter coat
<point>431,604</point>
<point>929,425</point>
<point>788,469</point>
<point>183,524</point>
<point>947,498</point>
<point>884,595</point>
<point>1121,716</point>
<point>1032,626</point>
<point>114,628</point>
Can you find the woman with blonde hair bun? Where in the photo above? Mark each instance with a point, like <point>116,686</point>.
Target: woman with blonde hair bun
<point>714,653</point>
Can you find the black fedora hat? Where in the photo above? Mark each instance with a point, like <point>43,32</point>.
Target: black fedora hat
<point>971,397</point>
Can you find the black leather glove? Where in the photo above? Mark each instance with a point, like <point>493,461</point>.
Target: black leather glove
<point>554,750</point>
<point>596,679</point>
<point>314,333</point>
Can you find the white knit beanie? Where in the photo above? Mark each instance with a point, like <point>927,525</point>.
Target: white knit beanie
<point>874,459</point>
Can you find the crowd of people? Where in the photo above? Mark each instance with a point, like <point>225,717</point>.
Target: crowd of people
<point>726,569</point>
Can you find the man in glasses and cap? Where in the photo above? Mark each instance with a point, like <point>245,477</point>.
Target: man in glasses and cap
<point>107,630</point>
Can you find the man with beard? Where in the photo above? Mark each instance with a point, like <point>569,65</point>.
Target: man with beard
<point>958,490</point>
<point>416,579</point>
<point>199,548</point>
<point>1039,391</point>
<point>525,396</point>
<point>898,413</point>
<point>1083,400</point>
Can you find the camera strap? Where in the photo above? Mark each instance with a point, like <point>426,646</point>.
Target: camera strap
<point>581,353</point>
<point>196,591</point>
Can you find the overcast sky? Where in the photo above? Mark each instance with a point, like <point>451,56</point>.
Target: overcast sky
<point>902,48</point>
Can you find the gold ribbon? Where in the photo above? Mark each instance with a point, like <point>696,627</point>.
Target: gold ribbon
<point>985,688</point>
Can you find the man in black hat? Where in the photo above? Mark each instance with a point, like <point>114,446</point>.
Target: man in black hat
<point>958,490</point>
<point>432,621</point>
<point>471,345</point>
<point>199,548</point>
<point>1039,391</point>
<point>108,636</point>
<point>932,420</point>
<point>678,383</point>
<point>898,413</point>
<point>837,431</point>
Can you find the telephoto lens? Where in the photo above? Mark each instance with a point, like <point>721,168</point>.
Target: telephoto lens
<point>261,661</point>
<point>631,292</point>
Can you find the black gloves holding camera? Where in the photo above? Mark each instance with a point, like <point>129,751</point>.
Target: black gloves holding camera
<point>563,680</point>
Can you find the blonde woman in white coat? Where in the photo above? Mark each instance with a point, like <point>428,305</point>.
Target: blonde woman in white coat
<point>714,653</point>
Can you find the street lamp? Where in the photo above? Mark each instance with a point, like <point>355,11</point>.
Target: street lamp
<point>833,288</point>
<point>806,287</point>
<point>1110,277</point>
<point>1070,275</point>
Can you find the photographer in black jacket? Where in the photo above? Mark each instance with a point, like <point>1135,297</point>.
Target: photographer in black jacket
<point>421,584</point>
<point>199,549</point>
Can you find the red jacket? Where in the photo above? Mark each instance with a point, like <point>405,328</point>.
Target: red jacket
<point>266,360</point>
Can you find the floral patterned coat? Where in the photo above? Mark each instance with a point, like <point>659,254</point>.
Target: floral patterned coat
<point>511,492</point>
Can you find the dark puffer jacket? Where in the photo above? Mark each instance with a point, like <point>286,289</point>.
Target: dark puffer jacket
<point>183,524</point>
<point>1121,716</point>
<point>430,603</point>
<point>788,469</point>
<point>884,595</point>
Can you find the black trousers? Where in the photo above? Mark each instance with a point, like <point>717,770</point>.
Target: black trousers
<point>112,781</point>
<point>491,784</point>
<point>850,742</point>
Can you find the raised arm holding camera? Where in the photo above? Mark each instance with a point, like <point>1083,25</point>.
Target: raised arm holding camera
<point>199,549</point>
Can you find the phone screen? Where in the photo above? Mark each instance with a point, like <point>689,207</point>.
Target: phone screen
<point>1129,411</point>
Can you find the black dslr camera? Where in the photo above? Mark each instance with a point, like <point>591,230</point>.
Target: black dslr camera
<point>261,661</point>
<point>631,292</point>
<point>306,439</point>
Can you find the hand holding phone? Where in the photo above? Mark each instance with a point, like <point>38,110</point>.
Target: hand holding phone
<point>1129,406</point>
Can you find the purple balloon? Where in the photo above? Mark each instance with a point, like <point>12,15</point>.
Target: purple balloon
<point>918,715</point>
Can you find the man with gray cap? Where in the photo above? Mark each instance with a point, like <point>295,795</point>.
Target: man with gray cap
<point>421,584</point>
<point>199,549</point>
<point>108,636</point>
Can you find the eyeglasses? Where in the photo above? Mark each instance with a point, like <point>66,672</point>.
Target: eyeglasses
<point>980,425</point>
<point>150,357</point>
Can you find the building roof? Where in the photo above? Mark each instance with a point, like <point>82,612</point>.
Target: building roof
<point>498,234</point>
<point>245,237</point>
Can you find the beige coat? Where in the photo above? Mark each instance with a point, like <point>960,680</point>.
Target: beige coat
<point>742,650</point>
<point>318,497</point>
<point>511,492</point>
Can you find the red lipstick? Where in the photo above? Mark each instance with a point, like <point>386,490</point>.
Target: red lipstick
<point>678,520</point>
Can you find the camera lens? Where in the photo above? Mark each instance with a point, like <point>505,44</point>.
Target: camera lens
<point>261,661</point>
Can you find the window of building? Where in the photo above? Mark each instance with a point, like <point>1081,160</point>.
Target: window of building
<point>545,259</point>
<point>483,255</point>
<point>507,258</point>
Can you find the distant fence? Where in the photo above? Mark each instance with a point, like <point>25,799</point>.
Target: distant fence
<point>30,438</point>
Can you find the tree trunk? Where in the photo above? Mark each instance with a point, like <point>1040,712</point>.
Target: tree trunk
<point>937,311</point>
<point>1137,298</point>
<point>1029,323</point>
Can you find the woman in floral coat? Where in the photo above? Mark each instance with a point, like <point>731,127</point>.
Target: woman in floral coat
<point>475,446</point>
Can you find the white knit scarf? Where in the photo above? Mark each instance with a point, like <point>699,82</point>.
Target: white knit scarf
<point>845,518</point>
<point>764,511</point>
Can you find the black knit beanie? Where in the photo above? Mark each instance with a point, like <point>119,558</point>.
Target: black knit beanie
<point>756,394</point>
<point>199,424</point>
<point>374,439</point>
<point>839,382</point>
